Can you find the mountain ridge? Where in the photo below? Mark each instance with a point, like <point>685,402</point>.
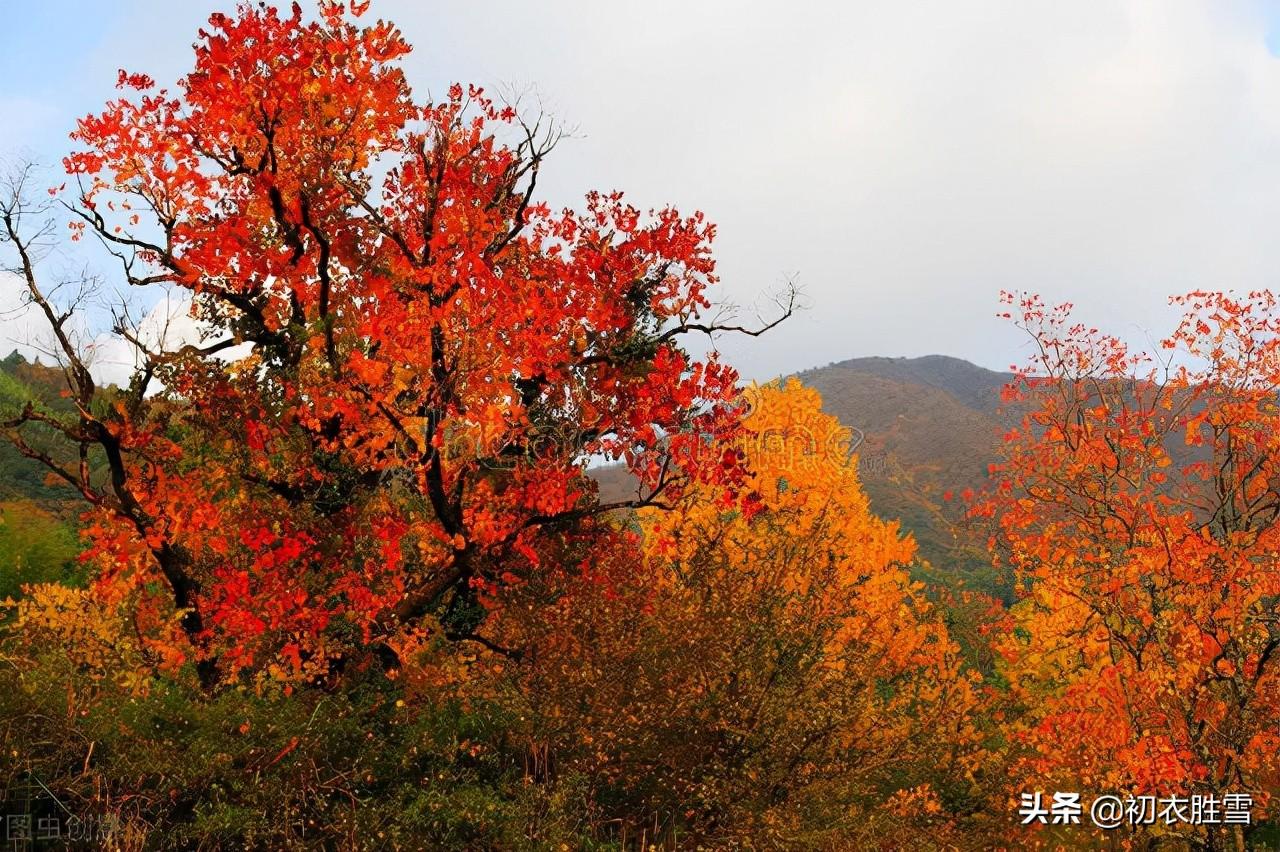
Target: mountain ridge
<point>975,386</point>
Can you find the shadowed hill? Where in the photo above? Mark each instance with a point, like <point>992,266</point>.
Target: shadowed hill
<point>976,387</point>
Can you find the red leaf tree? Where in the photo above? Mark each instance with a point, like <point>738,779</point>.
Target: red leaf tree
<point>410,358</point>
<point>1139,504</point>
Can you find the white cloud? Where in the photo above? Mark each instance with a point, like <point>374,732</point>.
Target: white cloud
<point>24,328</point>
<point>905,159</point>
<point>908,160</point>
<point>167,326</point>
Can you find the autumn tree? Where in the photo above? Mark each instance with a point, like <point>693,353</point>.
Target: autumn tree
<point>1138,502</point>
<point>769,673</point>
<point>409,357</point>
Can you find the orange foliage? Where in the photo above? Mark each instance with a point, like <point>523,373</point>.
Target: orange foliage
<point>1137,502</point>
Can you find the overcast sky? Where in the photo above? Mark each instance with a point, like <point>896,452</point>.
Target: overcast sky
<point>901,161</point>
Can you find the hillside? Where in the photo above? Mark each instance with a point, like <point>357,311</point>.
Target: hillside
<point>976,387</point>
<point>37,515</point>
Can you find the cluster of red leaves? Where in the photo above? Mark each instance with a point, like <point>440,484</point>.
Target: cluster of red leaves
<point>435,354</point>
<point>1137,503</point>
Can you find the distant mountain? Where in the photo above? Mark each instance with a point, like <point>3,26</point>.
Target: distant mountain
<point>976,387</point>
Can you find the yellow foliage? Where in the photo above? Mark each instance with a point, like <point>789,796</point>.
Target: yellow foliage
<point>788,632</point>
<point>94,635</point>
